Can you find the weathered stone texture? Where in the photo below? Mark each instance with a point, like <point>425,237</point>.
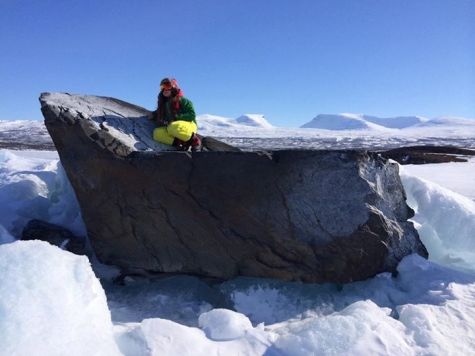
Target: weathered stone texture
<point>312,216</point>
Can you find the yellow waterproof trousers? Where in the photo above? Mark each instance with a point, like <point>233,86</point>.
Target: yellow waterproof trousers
<point>180,129</point>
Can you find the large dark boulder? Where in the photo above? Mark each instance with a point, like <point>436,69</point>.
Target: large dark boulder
<point>303,215</point>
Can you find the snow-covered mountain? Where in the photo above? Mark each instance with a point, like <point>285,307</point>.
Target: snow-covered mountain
<point>447,121</point>
<point>208,122</point>
<point>211,125</point>
<point>253,120</point>
<point>362,122</point>
<point>399,122</point>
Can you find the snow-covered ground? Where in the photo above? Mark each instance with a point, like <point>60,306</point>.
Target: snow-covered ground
<point>55,303</point>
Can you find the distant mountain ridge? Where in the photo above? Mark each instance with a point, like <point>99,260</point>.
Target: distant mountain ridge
<point>366,122</point>
<point>448,121</point>
<point>207,121</point>
<point>24,134</point>
<point>362,122</point>
<point>336,122</point>
<point>253,120</point>
<point>32,134</point>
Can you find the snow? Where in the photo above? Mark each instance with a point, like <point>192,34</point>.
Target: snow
<point>435,206</point>
<point>348,121</point>
<point>223,324</point>
<point>448,121</point>
<point>253,120</point>
<point>342,122</point>
<point>212,125</point>
<point>35,188</point>
<point>54,303</point>
<point>343,131</point>
<point>253,131</point>
<point>463,182</point>
<point>51,303</point>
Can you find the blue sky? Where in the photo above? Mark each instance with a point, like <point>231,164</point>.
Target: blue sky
<point>288,60</point>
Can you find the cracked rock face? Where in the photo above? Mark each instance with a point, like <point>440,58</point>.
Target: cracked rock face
<point>296,215</point>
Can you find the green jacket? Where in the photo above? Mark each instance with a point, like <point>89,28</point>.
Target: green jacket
<point>186,112</point>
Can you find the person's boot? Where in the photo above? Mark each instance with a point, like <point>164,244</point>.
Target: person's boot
<point>195,143</point>
<point>179,144</point>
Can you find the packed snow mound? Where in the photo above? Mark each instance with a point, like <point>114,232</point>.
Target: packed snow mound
<point>448,121</point>
<point>51,303</point>
<point>224,324</point>
<point>253,120</point>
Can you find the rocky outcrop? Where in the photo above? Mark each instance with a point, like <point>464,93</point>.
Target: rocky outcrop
<point>428,154</point>
<point>56,235</point>
<point>301,215</point>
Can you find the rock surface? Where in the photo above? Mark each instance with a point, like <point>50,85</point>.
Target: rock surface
<point>55,235</point>
<point>302,215</point>
<point>428,154</point>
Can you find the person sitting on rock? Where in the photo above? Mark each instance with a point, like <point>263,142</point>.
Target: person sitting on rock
<point>176,118</point>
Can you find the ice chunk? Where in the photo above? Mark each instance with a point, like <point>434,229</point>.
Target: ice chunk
<point>51,303</point>
<point>224,324</point>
